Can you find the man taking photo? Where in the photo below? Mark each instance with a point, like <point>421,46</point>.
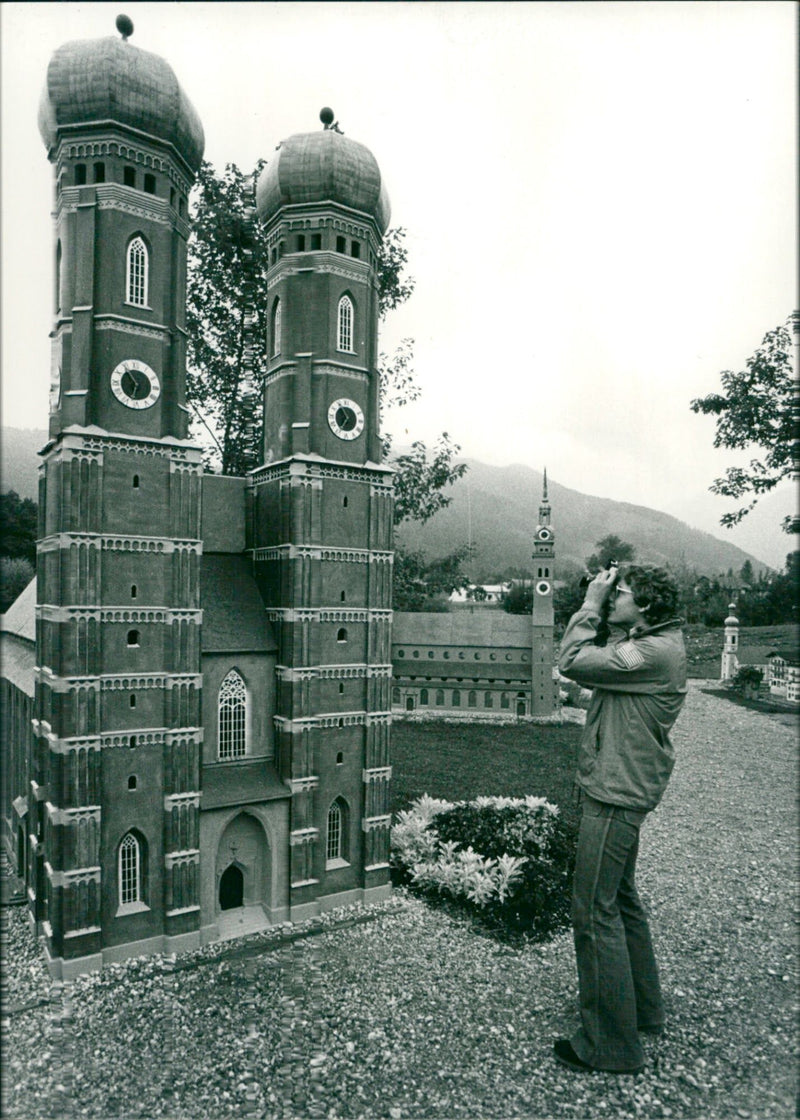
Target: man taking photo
<point>625,760</point>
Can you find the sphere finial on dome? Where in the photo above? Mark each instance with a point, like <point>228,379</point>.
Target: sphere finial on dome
<point>125,26</point>
<point>326,115</point>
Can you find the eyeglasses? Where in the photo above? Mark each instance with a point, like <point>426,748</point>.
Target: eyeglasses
<point>621,591</point>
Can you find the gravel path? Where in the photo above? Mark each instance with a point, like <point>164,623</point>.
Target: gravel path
<point>415,1015</point>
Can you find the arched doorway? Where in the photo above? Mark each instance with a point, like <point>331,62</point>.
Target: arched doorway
<point>231,888</point>
<point>242,864</point>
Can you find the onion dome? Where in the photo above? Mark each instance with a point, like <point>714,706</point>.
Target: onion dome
<point>104,81</point>
<point>731,620</point>
<point>323,166</point>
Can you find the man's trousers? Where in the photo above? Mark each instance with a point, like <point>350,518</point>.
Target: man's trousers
<point>617,972</point>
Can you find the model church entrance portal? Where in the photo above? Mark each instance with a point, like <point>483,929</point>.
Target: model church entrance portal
<point>231,888</point>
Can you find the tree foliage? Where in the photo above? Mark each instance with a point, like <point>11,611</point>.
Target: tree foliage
<point>18,527</point>
<point>15,574</point>
<point>226,318</point>
<point>610,548</point>
<point>759,407</point>
<point>420,584</point>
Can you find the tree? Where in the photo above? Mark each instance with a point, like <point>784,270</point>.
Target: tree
<point>609,548</point>
<point>18,526</point>
<point>418,581</point>
<point>760,407</point>
<point>15,574</point>
<point>519,599</point>
<point>226,318</point>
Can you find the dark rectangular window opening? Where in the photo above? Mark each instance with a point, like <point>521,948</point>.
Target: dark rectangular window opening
<point>129,176</point>
<point>301,243</point>
<point>341,244</point>
<point>316,241</point>
<point>99,173</point>
<point>80,174</point>
<point>355,249</point>
<point>150,184</point>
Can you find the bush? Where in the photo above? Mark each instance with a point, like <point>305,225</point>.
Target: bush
<point>507,860</point>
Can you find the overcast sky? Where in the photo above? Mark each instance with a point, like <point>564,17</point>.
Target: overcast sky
<point>600,202</point>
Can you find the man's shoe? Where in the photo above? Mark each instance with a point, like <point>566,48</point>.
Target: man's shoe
<point>563,1052</point>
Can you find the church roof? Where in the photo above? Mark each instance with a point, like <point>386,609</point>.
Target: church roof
<point>18,661</point>
<point>234,616</point>
<point>242,783</point>
<point>465,628</point>
<point>323,166</point>
<point>93,81</point>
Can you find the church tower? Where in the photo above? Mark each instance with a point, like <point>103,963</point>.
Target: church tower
<point>322,512</point>
<point>730,651</point>
<point>116,781</point>
<point>542,686</point>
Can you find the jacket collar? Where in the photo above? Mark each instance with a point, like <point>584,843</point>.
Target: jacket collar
<point>669,624</point>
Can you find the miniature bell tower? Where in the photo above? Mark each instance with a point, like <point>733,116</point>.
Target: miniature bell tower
<point>118,619</point>
<point>322,520</point>
<point>542,685</point>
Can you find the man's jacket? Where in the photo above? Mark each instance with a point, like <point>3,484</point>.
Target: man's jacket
<point>639,681</point>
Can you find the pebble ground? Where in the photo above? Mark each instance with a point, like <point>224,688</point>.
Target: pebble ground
<point>416,1014</point>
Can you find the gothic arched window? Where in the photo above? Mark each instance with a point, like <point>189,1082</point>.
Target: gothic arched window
<point>344,325</point>
<point>335,836</point>
<point>129,875</point>
<point>137,273</point>
<point>276,328</point>
<point>232,717</point>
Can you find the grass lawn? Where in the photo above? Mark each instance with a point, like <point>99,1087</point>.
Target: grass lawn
<point>459,761</point>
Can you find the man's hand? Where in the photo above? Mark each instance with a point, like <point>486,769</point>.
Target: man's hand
<point>600,588</point>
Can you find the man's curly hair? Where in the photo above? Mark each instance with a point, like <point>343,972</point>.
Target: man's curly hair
<point>654,592</point>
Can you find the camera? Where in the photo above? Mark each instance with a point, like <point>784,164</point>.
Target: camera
<point>587,579</point>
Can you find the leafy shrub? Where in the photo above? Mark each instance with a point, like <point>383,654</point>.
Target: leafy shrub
<point>508,860</point>
<point>747,680</point>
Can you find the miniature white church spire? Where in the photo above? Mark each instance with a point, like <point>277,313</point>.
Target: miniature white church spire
<point>730,659</point>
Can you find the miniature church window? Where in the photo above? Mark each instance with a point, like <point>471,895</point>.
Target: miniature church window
<point>335,854</point>
<point>472,700</point>
<point>341,244</point>
<point>341,634</point>
<point>456,701</point>
<point>276,328</point>
<point>344,333</point>
<point>99,173</point>
<point>130,871</point>
<point>423,696</point>
<point>316,241</point>
<point>129,176</point>
<point>80,174</point>
<point>232,717</point>
<point>150,184</point>
<point>133,637</point>
<point>136,277</point>
<point>488,700</point>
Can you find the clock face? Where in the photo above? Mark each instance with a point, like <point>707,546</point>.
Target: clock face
<point>134,384</point>
<point>543,534</point>
<point>542,587</point>
<point>345,418</point>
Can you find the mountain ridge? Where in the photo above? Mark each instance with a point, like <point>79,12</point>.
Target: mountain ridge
<point>497,508</point>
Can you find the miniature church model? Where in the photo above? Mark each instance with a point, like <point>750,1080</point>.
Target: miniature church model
<point>212,679</point>
<point>197,688</point>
